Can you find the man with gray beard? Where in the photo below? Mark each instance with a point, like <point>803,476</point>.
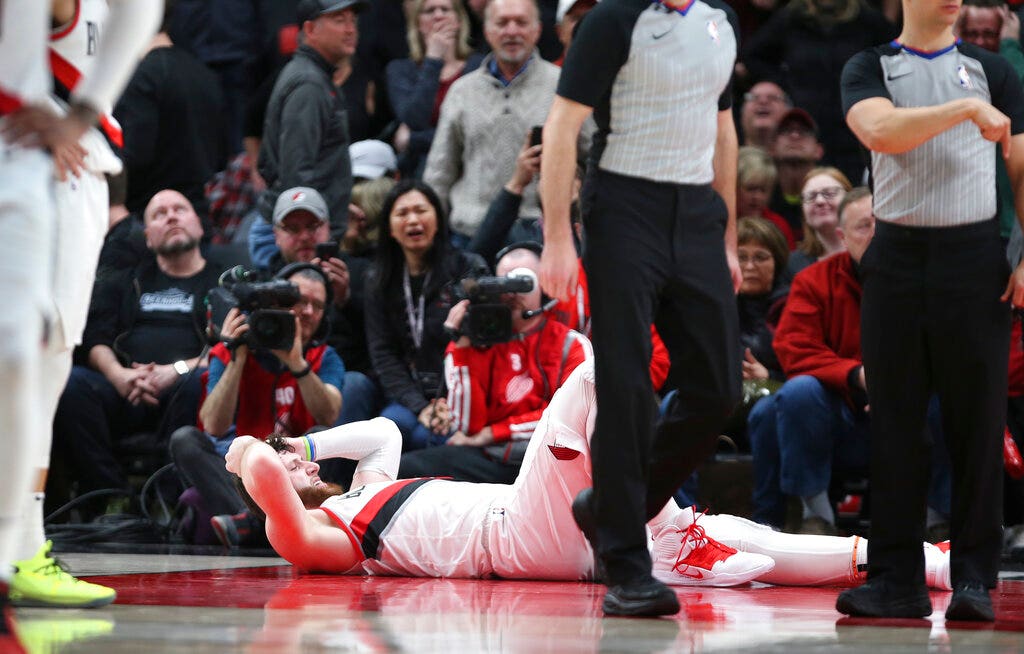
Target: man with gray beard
<point>142,343</point>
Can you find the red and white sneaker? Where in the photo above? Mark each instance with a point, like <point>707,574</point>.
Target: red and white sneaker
<point>689,557</point>
<point>936,566</point>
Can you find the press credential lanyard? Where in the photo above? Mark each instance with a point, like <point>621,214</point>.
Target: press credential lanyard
<point>415,316</point>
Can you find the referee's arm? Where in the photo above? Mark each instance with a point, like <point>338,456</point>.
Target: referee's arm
<point>558,265</point>
<point>1015,169</point>
<point>883,127</point>
<point>725,162</point>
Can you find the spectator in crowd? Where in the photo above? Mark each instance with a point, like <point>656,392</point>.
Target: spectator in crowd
<point>795,151</point>
<point>410,290</point>
<point>305,382</point>
<point>762,254</point>
<point>502,224</point>
<point>361,234</point>
<point>367,111</point>
<point>805,44</point>
<point>755,179</point>
<point>142,342</point>
<point>990,25</point>
<point>496,394</point>
<point>301,224</point>
<point>486,115</point>
<point>224,35</point>
<point>172,116</point>
<point>763,107</point>
<point>822,193</point>
<point>306,137</point>
<point>439,54</point>
<point>818,419</point>
<point>568,16</point>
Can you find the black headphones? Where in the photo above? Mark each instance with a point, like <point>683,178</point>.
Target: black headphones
<point>325,323</point>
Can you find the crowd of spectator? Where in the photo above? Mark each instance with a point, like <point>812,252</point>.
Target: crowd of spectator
<point>381,155</point>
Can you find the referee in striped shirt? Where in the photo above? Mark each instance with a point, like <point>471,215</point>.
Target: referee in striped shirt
<point>659,217</point>
<point>934,316</point>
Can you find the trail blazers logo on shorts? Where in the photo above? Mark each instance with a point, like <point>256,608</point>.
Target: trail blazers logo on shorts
<point>563,453</point>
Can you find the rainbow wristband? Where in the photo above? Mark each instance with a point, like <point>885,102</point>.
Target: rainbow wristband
<point>307,442</point>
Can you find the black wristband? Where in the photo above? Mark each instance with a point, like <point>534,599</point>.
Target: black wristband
<point>302,373</point>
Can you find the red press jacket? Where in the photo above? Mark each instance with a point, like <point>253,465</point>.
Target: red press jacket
<point>507,386</point>
<point>269,402</point>
<point>819,332</point>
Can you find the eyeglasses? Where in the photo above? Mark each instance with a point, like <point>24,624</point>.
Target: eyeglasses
<point>763,97</point>
<point>828,193</point>
<point>758,258</point>
<point>295,230</point>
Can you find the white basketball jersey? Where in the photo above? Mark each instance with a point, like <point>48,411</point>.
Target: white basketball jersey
<point>73,50</point>
<point>418,527</point>
<point>24,74</point>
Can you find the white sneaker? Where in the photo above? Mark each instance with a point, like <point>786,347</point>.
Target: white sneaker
<point>936,566</point>
<point>689,557</point>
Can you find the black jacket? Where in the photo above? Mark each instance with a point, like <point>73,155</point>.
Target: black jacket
<point>394,356</point>
<point>307,107</point>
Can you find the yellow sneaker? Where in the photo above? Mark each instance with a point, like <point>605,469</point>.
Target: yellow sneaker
<point>51,635</point>
<point>42,581</point>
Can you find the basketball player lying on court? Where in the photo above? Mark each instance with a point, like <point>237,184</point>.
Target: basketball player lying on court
<point>442,528</point>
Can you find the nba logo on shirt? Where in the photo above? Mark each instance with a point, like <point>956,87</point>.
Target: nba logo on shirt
<point>965,79</point>
<point>713,31</point>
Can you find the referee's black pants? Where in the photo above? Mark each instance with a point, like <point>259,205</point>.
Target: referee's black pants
<point>654,253</point>
<point>931,321</point>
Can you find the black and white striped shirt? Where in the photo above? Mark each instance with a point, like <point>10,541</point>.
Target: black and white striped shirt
<point>950,179</point>
<point>656,76</point>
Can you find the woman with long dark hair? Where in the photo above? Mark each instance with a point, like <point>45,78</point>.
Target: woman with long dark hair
<point>410,290</point>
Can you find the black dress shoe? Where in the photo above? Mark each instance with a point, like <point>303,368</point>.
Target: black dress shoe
<point>645,598</point>
<point>583,514</point>
<point>970,602</point>
<point>878,599</point>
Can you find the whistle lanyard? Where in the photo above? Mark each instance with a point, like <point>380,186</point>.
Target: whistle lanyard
<point>413,312</point>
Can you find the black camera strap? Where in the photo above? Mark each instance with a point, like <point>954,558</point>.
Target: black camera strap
<point>413,313</point>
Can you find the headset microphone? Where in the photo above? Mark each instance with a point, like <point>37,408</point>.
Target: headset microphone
<point>536,312</point>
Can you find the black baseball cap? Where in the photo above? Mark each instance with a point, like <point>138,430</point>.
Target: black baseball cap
<point>312,9</point>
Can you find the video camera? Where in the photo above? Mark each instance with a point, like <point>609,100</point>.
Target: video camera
<point>488,321</point>
<point>264,302</point>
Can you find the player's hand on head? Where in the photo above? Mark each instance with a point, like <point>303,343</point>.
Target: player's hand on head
<point>233,458</point>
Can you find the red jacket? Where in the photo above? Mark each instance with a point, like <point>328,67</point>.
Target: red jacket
<point>256,415</point>
<point>819,332</point>
<point>575,314</point>
<point>507,386</point>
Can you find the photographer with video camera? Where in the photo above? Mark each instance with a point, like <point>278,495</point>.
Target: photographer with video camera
<point>269,372</point>
<point>505,362</point>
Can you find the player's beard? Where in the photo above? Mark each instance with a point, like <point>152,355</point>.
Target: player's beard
<point>314,496</point>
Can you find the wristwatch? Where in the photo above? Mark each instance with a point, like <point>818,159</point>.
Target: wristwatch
<point>181,368</point>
